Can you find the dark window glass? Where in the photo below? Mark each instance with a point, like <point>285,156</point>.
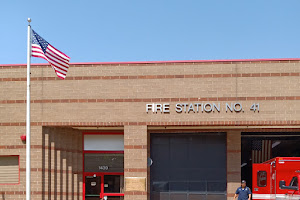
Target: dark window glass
<point>160,186</point>
<point>261,178</point>
<point>113,184</point>
<point>94,162</point>
<point>216,187</point>
<point>178,186</point>
<point>92,187</point>
<point>294,182</point>
<point>200,187</point>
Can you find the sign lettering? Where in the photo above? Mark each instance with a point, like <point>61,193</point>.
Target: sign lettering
<point>208,107</point>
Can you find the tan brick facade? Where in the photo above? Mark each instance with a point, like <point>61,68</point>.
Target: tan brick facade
<point>135,156</point>
<point>233,162</point>
<point>110,96</point>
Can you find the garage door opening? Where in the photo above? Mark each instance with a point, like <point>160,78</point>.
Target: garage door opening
<point>188,166</point>
<point>260,147</point>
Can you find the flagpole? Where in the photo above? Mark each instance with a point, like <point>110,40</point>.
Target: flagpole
<point>28,113</point>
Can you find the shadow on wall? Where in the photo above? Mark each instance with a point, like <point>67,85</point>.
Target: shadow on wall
<point>61,163</point>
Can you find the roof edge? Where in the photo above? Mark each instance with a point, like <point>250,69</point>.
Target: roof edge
<point>170,61</point>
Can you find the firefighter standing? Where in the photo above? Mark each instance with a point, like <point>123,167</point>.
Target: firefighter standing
<point>243,192</point>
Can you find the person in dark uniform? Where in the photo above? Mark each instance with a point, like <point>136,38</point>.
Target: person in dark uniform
<point>243,192</point>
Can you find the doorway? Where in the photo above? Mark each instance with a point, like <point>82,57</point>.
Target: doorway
<point>106,186</point>
<point>103,166</point>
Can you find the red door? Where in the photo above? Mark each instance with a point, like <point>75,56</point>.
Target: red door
<point>261,181</point>
<point>103,186</point>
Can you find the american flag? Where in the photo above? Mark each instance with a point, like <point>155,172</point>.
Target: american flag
<point>261,150</point>
<point>42,49</point>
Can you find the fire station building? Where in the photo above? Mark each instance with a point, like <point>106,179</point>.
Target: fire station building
<point>182,130</point>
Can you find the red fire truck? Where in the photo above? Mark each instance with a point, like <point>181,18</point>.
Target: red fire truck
<point>277,178</point>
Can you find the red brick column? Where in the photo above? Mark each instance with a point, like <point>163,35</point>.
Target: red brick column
<point>233,162</point>
<point>135,157</point>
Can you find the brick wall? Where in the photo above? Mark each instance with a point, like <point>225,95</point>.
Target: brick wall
<point>109,95</point>
<point>61,163</point>
<point>233,162</point>
<point>135,157</point>
<point>119,93</point>
<point>56,163</point>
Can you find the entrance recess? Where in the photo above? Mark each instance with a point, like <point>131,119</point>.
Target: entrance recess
<point>103,163</point>
<point>188,166</point>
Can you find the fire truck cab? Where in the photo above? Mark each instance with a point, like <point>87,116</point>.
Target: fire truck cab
<point>277,178</point>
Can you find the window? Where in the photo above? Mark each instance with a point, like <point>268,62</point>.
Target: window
<point>294,181</point>
<point>113,184</point>
<point>105,142</point>
<point>9,169</point>
<point>261,178</point>
<point>97,162</point>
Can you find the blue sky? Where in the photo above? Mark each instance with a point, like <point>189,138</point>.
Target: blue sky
<point>156,30</point>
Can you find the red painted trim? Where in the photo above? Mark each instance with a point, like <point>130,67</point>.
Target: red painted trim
<point>169,61</point>
<point>102,187</point>
<point>19,170</point>
<point>83,188</point>
<point>104,152</point>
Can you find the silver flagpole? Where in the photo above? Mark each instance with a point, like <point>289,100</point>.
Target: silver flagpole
<point>28,113</point>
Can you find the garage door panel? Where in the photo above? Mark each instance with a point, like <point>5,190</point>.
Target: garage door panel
<point>190,166</point>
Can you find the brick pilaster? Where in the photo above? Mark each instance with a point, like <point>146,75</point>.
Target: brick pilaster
<point>233,162</point>
<point>135,160</point>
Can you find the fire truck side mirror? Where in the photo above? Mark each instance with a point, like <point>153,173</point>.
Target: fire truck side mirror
<point>282,184</point>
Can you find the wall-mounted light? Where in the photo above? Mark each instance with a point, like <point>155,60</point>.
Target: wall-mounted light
<point>23,138</point>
